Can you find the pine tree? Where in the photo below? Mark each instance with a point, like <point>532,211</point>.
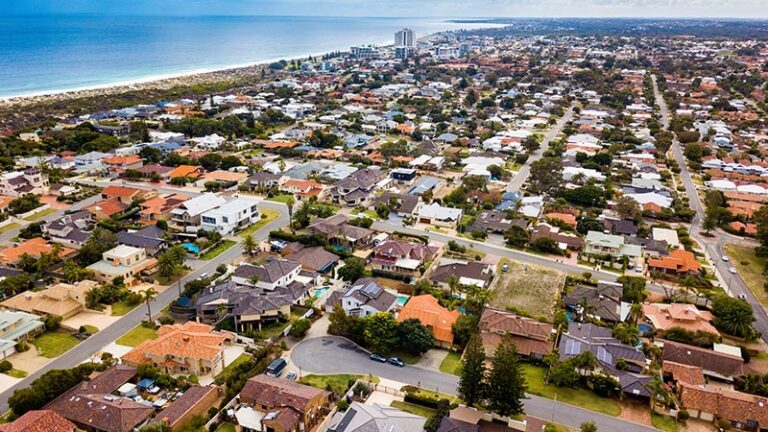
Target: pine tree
<point>506,384</point>
<point>472,380</point>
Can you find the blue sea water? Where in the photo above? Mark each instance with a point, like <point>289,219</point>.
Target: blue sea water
<point>41,54</point>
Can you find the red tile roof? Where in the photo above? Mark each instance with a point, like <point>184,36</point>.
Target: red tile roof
<point>428,311</point>
<point>39,421</point>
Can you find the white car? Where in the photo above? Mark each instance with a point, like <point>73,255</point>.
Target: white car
<point>725,258</point>
<point>732,270</point>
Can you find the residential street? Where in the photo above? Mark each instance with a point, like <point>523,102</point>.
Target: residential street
<point>95,343</point>
<point>333,355</point>
<point>714,246</point>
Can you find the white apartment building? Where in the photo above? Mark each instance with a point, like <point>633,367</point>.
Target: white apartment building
<point>231,216</point>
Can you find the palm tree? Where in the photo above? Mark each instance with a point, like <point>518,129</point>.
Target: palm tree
<point>148,295</point>
<point>453,284</point>
<point>249,245</point>
<point>635,312</point>
<point>290,201</point>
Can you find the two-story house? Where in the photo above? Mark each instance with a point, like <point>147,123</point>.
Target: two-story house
<point>358,188</point>
<point>123,261</point>
<point>598,243</point>
<point>400,257</point>
<point>187,216</point>
<point>18,183</point>
<point>72,229</point>
<point>364,298</point>
<point>231,216</point>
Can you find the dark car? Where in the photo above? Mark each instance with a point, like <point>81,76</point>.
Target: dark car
<point>396,361</point>
<point>378,358</point>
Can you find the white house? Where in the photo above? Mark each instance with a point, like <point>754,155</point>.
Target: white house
<point>435,214</point>
<point>187,215</point>
<point>230,216</point>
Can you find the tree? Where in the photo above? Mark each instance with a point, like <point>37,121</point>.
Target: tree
<point>148,295</point>
<point>151,155</point>
<point>628,334</point>
<point>628,208</point>
<point>714,203</point>
<point>249,245</point>
<point>415,337</point>
<point>546,174</point>
<point>300,327</point>
<point>100,241</point>
<point>506,382</point>
<point>588,427</point>
<point>210,161</point>
<point>633,288</point>
<point>472,378</point>
<point>168,264</point>
<point>74,273</point>
<point>353,269</point>
<point>230,161</point>
<point>290,202</point>
<point>517,236</point>
<point>463,329</point>
<point>733,316</point>
<point>381,332</point>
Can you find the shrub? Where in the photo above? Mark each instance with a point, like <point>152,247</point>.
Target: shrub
<point>5,366</point>
<point>300,327</point>
<point>342,405</point>
<point>22,346</point>
<point>165,319</point>
<point>52,323</point>
<point>421,400</point>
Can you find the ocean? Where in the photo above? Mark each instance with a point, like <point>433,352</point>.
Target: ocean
<point>54,53</point>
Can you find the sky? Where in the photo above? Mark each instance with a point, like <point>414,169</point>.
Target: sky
<point>400,8</point>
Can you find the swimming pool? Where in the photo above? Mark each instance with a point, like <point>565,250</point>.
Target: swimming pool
<point>402,300</point>
<point>645,328</point>
<point>320,291</point>
<point>191,247</point>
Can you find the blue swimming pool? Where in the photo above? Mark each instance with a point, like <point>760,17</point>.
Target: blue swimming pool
<point>402,300</point>
<point>191,247</point>
<point>320,291</point>
<point>645,328</point>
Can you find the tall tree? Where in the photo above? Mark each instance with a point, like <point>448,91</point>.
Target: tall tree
<point>381,332</point>
<point>472,379</point>
<point>290,202</point>
<point>148,295</point>
<point>547,174</point>
<point>506,382</point>
<point>249,245</point>
<point>733,316</point>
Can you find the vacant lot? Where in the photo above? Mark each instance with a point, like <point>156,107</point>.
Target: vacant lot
<point>528,288</point>
<point>750,268</point>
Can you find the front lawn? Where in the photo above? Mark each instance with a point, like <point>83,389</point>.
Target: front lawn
<point>451,364</point>
<point>750,268</point>
<point>281,198</point>
<point>218,249</point>
<point>413,408</point>
<point>267,216</point>
<point>226,427</point>
<point>224,374</point>
<point>16,373</point>
<point>583,398</point>
<point>136,336</point>
<point>39,215</point>
<point>665,423</point>
<point>52,345</point>
<point>338,384</point>
<point>121,308</point>
<point>91,329</point>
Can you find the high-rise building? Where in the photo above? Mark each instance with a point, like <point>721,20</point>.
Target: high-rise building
<point>405,38</point>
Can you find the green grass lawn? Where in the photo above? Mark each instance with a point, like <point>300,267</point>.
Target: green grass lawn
<point>242,358</point>
<point>267,216</point>
<point>281,198</point>
<point>121,308</point>
<point>136,336</point>
<point>426,393</point>
<point>451,364</point>
<point>664,423</point>
<point>9,227</point>
<point>226,427</point>
<point>91,329</point>
<point>338,384</point>
<point>579,397</point>
<point>41,214</point>
<point>52,345</point>
<point>406,357</point>
<point>16,373</point>
<point>413,408</point>
<point>750,268</point>
<point>218,250</point>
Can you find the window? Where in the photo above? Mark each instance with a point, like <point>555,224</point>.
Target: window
<point>225,219</point>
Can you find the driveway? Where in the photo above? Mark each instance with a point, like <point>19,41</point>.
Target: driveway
<point>334,355</point>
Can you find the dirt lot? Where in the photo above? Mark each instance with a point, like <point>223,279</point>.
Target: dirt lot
<point>528,288</point>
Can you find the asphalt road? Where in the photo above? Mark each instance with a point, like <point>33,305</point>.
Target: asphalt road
<point>334,355</point>
<point>714,246</point>
<point>525,171</point>
<point>86,349</point>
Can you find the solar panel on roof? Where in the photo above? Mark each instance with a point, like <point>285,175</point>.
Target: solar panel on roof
<point>572,347</point>
<point>371,290</point>
<point>604,356</point>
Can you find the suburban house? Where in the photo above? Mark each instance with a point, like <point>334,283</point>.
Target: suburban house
<point>71,230</point>
<point>403,205</point>
<point>194,402</point>
<point>16,327</point>
<point>273,274</point>
<point>62,300</point>
<point>376,417</point>
<point>315,259</point>
<point>338,232</point>
<point>107,208</point>
<point>494,221</point>
<point>125,195</point>
<point>151,239</point>
<point>303,190</point>
<point>264,180</point>
<point>358,188</point>
<point>721,365</point>
<point>190,172</point>
<point>609,352</point>
<point>432,315</point>
<point>565,241</point>
<point>364,298</point>
<point>123,261</point>
<point>224,178</point>
<point>18,183</point>
<point>188,214</point>
<point>663,317</point>
<point>602,303</point>
<point>281,405</point>
<point>531,337</point>
<point>189,349</point>
<point>159,207</point>
<point>34,248</point>
<point>231,216</point>
<point>598,243</point>
<point>437,215</point>
<point>469,273</point>
<point>39,421</point>
<point>93,407</point>
<point>679,262</point>
<point>402,258</point>
<point>710,402</point>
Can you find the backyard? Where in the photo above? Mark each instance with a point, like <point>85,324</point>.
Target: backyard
<point>528,288</point>
<point>750,268</point>
<point>583,398</point>
<point>224,374</point>
<point>267,216</point>
<point>52,345</point>
<point>217,250</point>
<point>136,336</point>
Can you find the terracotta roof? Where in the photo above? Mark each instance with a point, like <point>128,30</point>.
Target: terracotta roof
<point>685,316</point>
<point>33,247</point>
<point>190,340</point>
<point>122,160</point>
<point>428,311</point>
<point>679,260</point>
<point>563,217</point>
<point>263,390</point>
<point>724,403</point>
<point>108,207</point>
<point>225,176</point>
<point>184,171</point>
<point>39,421</point>
<point>120,191</point>
<point>684,373</point>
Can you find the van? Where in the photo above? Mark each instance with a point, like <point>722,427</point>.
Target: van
<point>275,369</point>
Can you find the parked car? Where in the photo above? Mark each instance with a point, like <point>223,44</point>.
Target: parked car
<point>505,267</point>
<point>396,361</point>
<point>732,270</point>
<point>203,276</point>
<point>743,297</point>
<point>378,358</point>
<point>291,376</point>
<point>724,258</point>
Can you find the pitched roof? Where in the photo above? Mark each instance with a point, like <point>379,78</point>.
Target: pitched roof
<point>708,360</point>
<point>120,191</point>
<point>666,316</point>
<point>39,421</point>
<point>190,340</point>
<point>684,373</point>
<point>725,403</point>
<point>679,260</point>
<point>185,171</point>
<point>32,247</point>
<point>314,258</point>
<point>108,207</point>
<point>430,313</point>
<point>264,390</point>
